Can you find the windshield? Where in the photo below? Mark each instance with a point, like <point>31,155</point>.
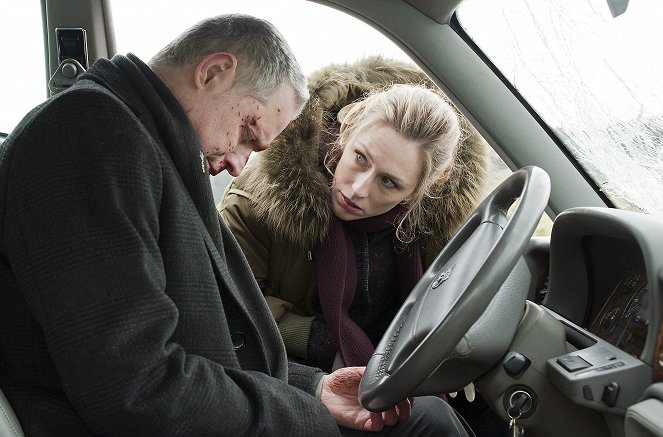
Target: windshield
<point>594,79</point>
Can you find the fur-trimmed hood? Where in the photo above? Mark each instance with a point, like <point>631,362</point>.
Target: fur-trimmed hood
<point>289,186</point>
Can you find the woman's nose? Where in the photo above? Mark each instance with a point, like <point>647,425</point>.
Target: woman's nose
<point>361,185</point>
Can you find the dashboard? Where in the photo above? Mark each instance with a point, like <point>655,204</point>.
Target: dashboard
<point>588,350</point>
<point>604,288</point>
<point>604,266</point>
<point>619,304</point>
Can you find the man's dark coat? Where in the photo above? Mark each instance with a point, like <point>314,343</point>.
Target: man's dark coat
<point>127,307</point>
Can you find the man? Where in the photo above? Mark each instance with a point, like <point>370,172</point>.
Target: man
<point>128,308</point>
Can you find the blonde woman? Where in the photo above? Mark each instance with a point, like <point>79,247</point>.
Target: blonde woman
<point>342,214</point>
<point>339,217</point>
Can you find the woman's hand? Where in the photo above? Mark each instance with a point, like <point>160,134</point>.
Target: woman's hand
<point>340,394</point>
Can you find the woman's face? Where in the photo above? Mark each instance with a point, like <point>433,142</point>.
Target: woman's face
<point>377,170</point>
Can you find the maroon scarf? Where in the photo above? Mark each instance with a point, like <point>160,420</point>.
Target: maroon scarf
<point>337,281</point>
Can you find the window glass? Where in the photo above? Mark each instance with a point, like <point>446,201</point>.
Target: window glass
<point>339,38</point>
<point>592,77</point>
<point>23,74</point>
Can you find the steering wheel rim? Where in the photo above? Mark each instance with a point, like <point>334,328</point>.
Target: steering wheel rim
<point>455,290</point>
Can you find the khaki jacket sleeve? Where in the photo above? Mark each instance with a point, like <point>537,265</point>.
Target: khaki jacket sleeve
<point>294,328</point>
<point>253,237</point>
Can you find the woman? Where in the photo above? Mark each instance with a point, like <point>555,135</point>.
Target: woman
<point>336,264</point>
<point>302,230</point>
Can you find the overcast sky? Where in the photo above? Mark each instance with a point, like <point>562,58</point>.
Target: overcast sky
<point>315,42</point>
<point>144,26</point>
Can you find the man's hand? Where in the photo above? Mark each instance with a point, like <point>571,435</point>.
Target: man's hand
<point>340,394</point>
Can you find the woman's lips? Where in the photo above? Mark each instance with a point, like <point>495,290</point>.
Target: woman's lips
<point>348,205</point>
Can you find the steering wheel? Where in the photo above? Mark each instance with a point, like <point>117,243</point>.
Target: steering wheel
<point>455,324</point>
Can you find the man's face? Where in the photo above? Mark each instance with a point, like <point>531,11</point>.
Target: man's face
<point>233,125</point>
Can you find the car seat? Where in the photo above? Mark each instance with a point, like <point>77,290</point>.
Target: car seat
<point>9,425</point>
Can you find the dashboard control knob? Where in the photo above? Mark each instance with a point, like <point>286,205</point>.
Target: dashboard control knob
<point>610,393</point>
<point>515,364</point>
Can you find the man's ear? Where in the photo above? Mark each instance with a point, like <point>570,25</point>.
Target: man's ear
<point>216,72</point>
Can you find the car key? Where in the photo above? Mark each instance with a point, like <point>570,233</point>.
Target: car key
<point>514,412</point>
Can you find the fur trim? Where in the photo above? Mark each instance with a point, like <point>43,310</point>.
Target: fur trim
<point>289,184</point>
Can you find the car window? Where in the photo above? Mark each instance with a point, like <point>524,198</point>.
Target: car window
<point>23,72</point>
<point>593,78</point>
<point>338,39</point>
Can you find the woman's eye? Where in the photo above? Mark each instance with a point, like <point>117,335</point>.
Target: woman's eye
<point>361,159</point>
<point>388,182</point>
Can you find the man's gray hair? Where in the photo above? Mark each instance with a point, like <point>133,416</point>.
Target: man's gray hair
<point>265,58</point>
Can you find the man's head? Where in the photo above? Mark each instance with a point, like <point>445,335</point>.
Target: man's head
<point>238,81</point>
